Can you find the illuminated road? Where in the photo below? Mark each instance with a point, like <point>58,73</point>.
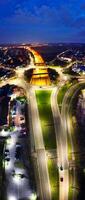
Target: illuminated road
<point>60,57</point>
<point>43,173</point>
<point>41,155</point>
<point>61,124</point>
<point>37,131</point>
<point>40,77</point>
<point>65,103</point>
<point>38,139</point>
<point>37,57</point>
<point>66,121</point>
<point>62,154</point>
<point>39,147</point>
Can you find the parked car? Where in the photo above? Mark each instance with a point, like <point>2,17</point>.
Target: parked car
<point>61,179</point>
<point>61,168</point>
<point>22,119</point>
<point>18,152</point>
<point>7,158</point>
<point>6,152</point>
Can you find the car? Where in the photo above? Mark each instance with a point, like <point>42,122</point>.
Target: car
<point>13,172</point>
<point>22,136</point>
<point>25,198</point>
<point>13,112</point>
<point>7,158</point>
<point>23,126</point>
<point>18,152</point>
<point>61,168</point>
<point>22,118</point>
<point>13,123</point>
<point>6,152</point>
<point>61,179</point>
<point>23,129</point>
<point>18,144</point>
<point>24,132</point>
<point>18,174</point>
<point>14,107</point>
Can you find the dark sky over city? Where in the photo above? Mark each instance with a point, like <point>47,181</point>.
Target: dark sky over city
<point>42,21</point>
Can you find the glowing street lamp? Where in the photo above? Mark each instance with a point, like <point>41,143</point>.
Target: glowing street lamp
<point>33,197</point>
<point>11,197</point>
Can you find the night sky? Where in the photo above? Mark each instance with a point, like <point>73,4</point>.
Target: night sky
<point>42,21</point>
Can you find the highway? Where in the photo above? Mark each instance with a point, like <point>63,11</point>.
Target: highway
<point>62,129</point>
<point>38,140</point>
<point>66,121</point>
<point>43,174</point>
<point>39,144</point>
<point>37,57</point>
<point>62,154</point>
<point>59,57</point>
<point>37,131</point>
<point>39,148</point>
<point>61,121</point>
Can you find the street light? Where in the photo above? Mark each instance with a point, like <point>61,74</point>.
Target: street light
<point>11,197</point>
<point>17,179</point>
<point>33,197</point>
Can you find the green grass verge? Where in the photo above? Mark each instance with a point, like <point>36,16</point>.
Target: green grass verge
<point>18,164</point>
<point>78,138</point>
<point>61,94</point>
<point>71,184</point>
<point>46,117</point>
<point>54,179</point>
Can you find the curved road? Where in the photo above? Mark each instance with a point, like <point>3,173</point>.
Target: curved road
<point>66,120</point>
<point>61,148</point>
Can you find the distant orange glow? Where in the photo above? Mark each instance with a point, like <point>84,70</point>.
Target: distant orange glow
<point>38,58</point>
<point>40,74</point>
<point>40,77</point>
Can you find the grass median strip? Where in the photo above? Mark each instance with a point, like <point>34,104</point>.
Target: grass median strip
<point>61,93</point>
<point>54,178</point>
<point>46,118</point>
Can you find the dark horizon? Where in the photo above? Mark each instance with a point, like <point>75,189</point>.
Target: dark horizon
<point>41,43</point>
